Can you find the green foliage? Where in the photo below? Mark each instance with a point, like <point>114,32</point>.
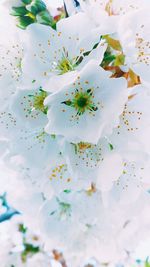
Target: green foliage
<point>29,250</point>
<point>45,18</point>
<point>24,21</point>
<point>120,60</point>
<point>26,2</point>
<point>36,6</point>
<point>22,229</point>
<point>114,55</point>
<point>19,11</point>
<point>108,58</point>
<point>32,11</point>
<point>147,263</point>
<point>113,43</point>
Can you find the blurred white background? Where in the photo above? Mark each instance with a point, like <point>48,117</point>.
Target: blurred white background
<point>56,3</point>
<point>143,249</point>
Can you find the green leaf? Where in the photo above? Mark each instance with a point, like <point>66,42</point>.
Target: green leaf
<point>19,11</point>
<point>147,264</point>
<point>29,249</point>
<point>25,21</point>
<point>120,60</point>
<point>115,44</point>
<point>22,229</point>
<point>108,58</point>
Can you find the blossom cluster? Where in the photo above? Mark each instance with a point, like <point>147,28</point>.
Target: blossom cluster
<point>75,127</point>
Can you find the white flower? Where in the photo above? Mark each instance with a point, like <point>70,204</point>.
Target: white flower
<point>74,139</point>
<point>28,107</point>
<point>57,221</point>
<point>88,108</point>
<point>97,12</point>
<point>54,57</point>
<point>109,171</point>
<point>89,163</point>
<point>57,178</point>
<point>72,6</point>
<point>133,181</point>
<point>39,260</point>
<point>134,37</point>
<point>64,223</point>
<point>36,147</point>
<point>132,133</point>
<point>106,13</point>
<point>11,53</point>
<point>113,7</point>
<point>122,7</point>
<point>24,126</point>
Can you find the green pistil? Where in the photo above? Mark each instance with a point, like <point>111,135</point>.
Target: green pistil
<point>82,102</point>
<point>41,137</point>
<point>65,208</point>
<point>65,65</point>
<point>38,101</point>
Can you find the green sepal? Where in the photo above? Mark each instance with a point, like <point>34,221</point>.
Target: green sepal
<point>26,2</point>
<point>19,11</point>
<point>45,18</point>
<point>108,58</point>
<point>25,21</point>
<point>45,111</point>
<point>67,102</point>
<point>36,7</point>
<point>111,146</point>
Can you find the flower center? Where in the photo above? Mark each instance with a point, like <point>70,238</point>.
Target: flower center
<point>38,101</point>
<point>82,101</point>
<point>84,146</point>
<point>65,65</point>
<point>64,209</point>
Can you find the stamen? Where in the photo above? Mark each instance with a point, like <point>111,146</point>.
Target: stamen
<point>38,101</point>
<point>82,101</point>
<point>65,65</point>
